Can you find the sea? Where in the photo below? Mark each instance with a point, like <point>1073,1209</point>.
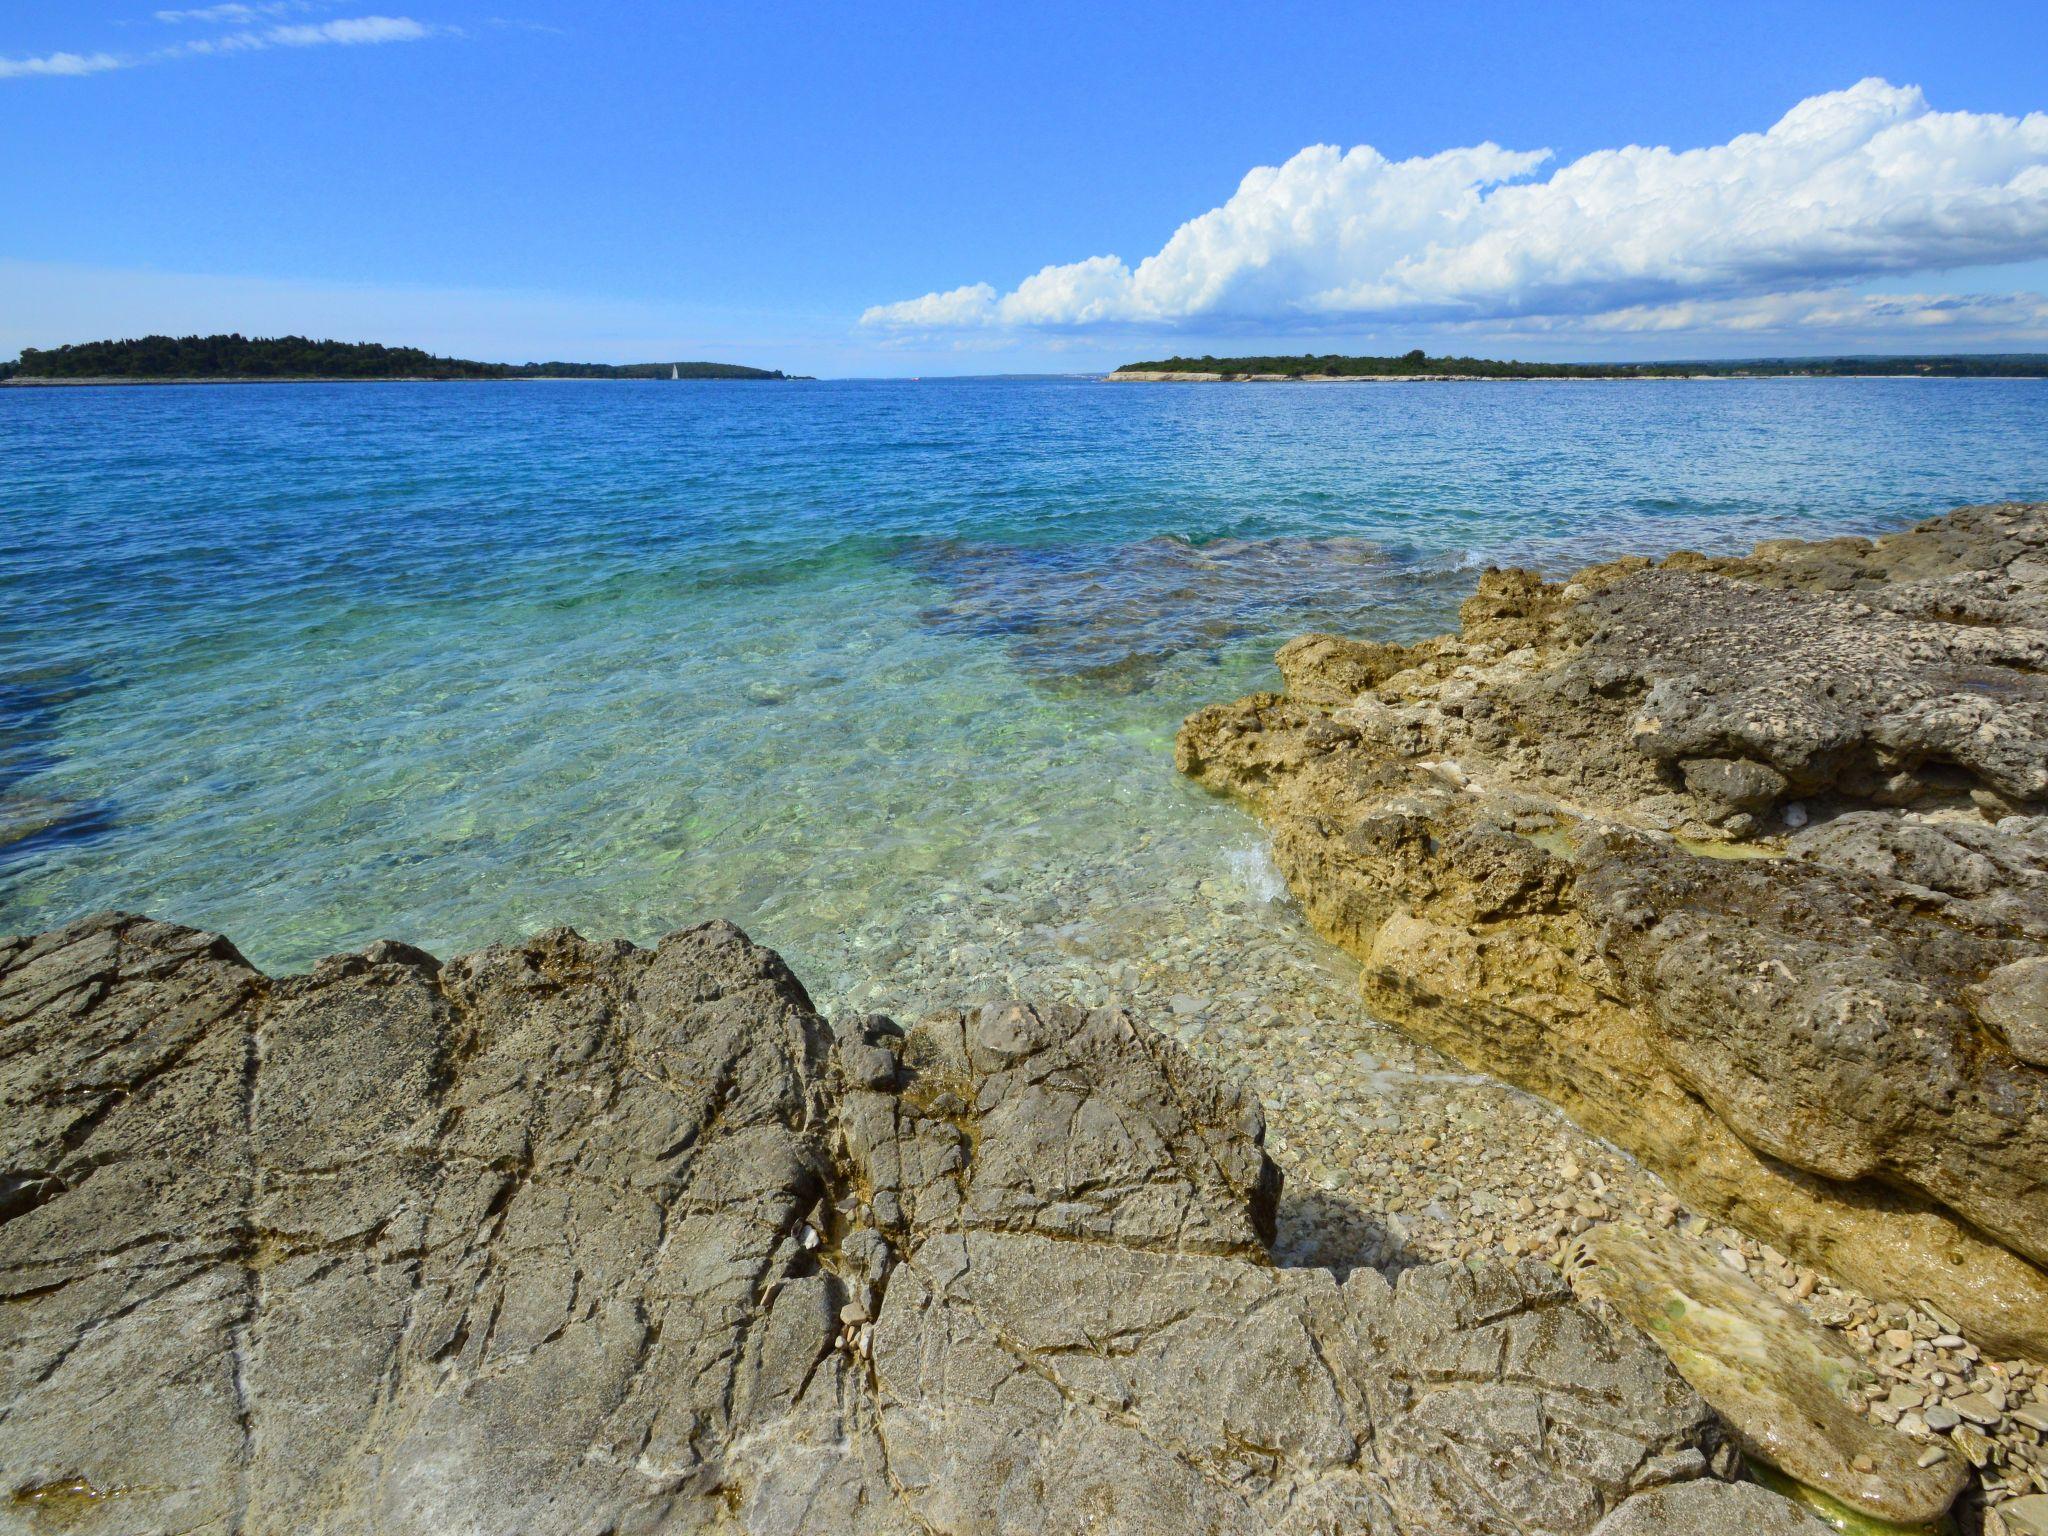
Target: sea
<point>886,672</point>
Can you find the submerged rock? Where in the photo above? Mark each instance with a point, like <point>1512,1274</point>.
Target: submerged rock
<point>1743,862</point>
<point>575,1237</point>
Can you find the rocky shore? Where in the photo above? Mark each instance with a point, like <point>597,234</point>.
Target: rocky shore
<point>576,1237</point>
<point>1707,897</point>
<point>1742,863</point>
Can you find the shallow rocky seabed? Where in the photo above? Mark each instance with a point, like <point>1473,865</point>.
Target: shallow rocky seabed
<point>1394,1154</point>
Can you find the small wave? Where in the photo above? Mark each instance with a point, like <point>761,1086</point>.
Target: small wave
<point>1253,868</point>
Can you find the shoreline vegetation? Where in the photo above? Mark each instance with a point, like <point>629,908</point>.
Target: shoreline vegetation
<point>238,359</point>
<point>1418,367</point>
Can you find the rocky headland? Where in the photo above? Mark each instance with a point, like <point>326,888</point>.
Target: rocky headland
<point>578,1237</point>
<point>1744,863</point>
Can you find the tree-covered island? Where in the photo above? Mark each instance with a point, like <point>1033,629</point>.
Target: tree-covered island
<point>168,358</point>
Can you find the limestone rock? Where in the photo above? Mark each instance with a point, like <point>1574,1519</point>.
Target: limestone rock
<point>1743,862</point>
<point>575,1237</point>
<point>1687,1510</point>
<point>1780,1382</point>
<point>2014,1001</point>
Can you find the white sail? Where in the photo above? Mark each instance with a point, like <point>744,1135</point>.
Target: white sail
<point>674,372</point>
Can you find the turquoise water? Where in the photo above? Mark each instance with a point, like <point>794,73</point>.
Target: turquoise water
<point>886,672</point>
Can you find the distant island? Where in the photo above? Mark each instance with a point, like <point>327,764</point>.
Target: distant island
<point>169,359</point>
<point>1418,365</point>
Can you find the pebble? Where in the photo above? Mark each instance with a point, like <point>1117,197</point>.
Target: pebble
<point>1977,1408</point>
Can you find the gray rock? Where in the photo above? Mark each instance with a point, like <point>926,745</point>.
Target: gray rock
<point>1694,1509</point>
<point>2014,1001</point>
<point>2027,1516</point>
<point>571,1237</point>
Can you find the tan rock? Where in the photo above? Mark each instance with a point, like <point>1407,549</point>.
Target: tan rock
<point>1807,1035</point>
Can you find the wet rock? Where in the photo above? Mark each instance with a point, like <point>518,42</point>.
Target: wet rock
<point>578,1237</point>
<point>1823,1035</point>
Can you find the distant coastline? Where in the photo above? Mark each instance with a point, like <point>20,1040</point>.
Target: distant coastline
<point>238,359</point>
<point>18,381</point>
<point>1418,368</point>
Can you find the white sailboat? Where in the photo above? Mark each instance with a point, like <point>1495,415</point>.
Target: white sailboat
<point>675,373</point>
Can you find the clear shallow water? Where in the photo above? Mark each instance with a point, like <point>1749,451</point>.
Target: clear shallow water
<point>886,672</point>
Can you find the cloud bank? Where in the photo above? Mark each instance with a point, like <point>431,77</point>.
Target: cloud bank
<point>1854,185</point>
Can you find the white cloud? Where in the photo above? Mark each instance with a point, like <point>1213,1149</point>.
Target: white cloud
<point>346,31</point>
<point>350,30</point>
<point>1858,184</point>
<point>1814,315</point>
<point>231,13</point>
<point>60,64</point>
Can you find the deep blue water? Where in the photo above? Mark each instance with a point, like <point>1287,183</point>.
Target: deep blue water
<point>313,664</point>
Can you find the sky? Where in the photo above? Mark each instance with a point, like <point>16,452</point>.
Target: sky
<point>885,189</point>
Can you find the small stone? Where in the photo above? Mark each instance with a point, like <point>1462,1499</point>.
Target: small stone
<point>1941,1418</point>
<point>2027,1516</point>
<point>2034,1416</point>
<point>1863,1464</point>
<point>1898,1338</point>
<point>853,1314</point>
<point>1973,1444</point>
<point>1733,1258</point>
<point>1977,1408</point>
<point>1930,1456</point>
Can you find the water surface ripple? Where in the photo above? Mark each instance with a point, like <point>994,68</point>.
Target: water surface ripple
<point>886,672</point>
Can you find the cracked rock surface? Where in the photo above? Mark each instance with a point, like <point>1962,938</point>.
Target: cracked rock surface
<point>1743,862</point>
<point>575,1237</point>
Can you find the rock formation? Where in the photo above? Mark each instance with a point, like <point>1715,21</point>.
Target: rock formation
<point>1744,862</point>
<point>576,1238</point>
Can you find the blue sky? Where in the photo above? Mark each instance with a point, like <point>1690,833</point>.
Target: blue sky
<point>871,189</point>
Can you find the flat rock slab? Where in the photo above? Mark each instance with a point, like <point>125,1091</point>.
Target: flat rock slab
<point>1780,1381</point>
<point>580,1238</point>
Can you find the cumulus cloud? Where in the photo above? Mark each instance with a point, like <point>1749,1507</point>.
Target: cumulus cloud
<point>1857,184</point>
<point>344,31</point>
